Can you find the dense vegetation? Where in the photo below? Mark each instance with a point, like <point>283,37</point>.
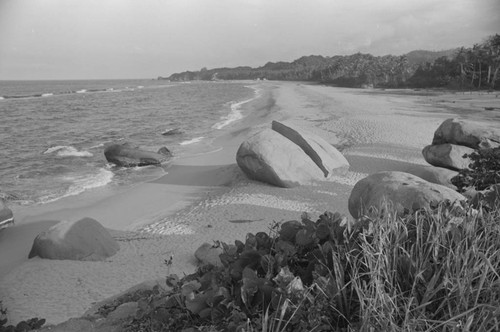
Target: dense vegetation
<point>482,172</point>
<point>428,271</point>
<point>464,68</point>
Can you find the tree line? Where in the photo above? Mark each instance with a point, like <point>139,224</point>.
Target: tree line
<point>476,67</point>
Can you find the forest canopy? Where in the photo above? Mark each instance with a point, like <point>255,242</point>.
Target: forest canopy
<point>462,68</point>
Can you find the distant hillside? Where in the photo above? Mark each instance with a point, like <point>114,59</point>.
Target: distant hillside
<point>453,68</point>
<point>420,56</point>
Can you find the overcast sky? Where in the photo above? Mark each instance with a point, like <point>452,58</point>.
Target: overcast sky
<point>85,39</point>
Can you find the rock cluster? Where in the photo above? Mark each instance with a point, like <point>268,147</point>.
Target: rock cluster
<point>287,157</point>
<point>454,138</point>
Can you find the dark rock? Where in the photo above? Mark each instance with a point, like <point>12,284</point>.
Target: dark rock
<point>403,191</point>
<point>85,240</point>
<point>164,151</point>
<point>447,156</point>
<point>468,133</point>
<point>126,155</point>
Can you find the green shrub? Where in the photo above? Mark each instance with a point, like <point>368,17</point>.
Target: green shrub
<point>23,326</point>
<point>428,271</point>
<point>484,170</point>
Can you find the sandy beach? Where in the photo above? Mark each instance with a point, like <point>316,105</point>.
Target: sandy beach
<point>206,197</point>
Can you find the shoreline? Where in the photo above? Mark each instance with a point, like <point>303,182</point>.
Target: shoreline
<point>210,199</point>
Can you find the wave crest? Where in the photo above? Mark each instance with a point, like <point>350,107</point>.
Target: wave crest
<point>67,151</point>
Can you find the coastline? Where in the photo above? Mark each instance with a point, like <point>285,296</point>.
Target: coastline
<point>205,197</point>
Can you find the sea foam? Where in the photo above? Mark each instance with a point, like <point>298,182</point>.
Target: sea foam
<point>192,141</point>
<point>67,151</point>
<point>235,113</point>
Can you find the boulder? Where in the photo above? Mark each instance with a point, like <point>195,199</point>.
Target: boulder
<point>286,157</point>
<point>6,215</point>
<point>403,190</point>
<point>272,158</point>
<point>323,154</point>
<point>126,155</point>
<point>84,240</point>
<point>471,134</point>
<point>433,174</point>
<point>447,155</point>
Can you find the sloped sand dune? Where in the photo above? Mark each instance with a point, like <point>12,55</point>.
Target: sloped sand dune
<point>206,197</point>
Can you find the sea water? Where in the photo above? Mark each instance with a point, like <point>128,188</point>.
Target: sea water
<point>53,133</point>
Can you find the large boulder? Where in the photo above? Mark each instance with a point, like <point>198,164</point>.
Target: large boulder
<point>84,240</point>
<point>468,133</point>
<point>433,174</point>
<point>272,158</point>
<point>126,155</point>
<point>403,190</point>
<point>6,215</point>
<point>323,154</point>
<point>447,155</point>
<point>285,157</point>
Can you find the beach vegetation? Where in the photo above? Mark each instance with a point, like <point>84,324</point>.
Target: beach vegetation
<point>471,68</point>
<point>483,171</point>
<point>23,326</point>
<point>431,270</point>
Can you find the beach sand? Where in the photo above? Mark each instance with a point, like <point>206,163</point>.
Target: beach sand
<point>206,197</point>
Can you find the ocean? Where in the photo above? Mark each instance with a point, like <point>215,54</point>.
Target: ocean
<point>53,133</point>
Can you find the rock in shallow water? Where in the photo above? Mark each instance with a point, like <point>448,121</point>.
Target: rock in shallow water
<point>126,155</point>
<point>84,240</point>
<point>402,190</point>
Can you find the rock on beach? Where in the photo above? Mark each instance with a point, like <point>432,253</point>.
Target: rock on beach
<point>467,133</point>
<point>286,157</point>
<point>403,190</point>
<point>447,155</point>
<point>84,240</point>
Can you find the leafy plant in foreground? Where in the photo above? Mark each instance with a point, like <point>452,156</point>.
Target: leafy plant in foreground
<point>483,171</point>
<point>433,270</point>
<point>23,326</point>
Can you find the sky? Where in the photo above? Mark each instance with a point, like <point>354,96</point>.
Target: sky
<point>114,39</point>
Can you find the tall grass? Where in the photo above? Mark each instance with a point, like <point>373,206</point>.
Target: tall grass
<point>429,271</point>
